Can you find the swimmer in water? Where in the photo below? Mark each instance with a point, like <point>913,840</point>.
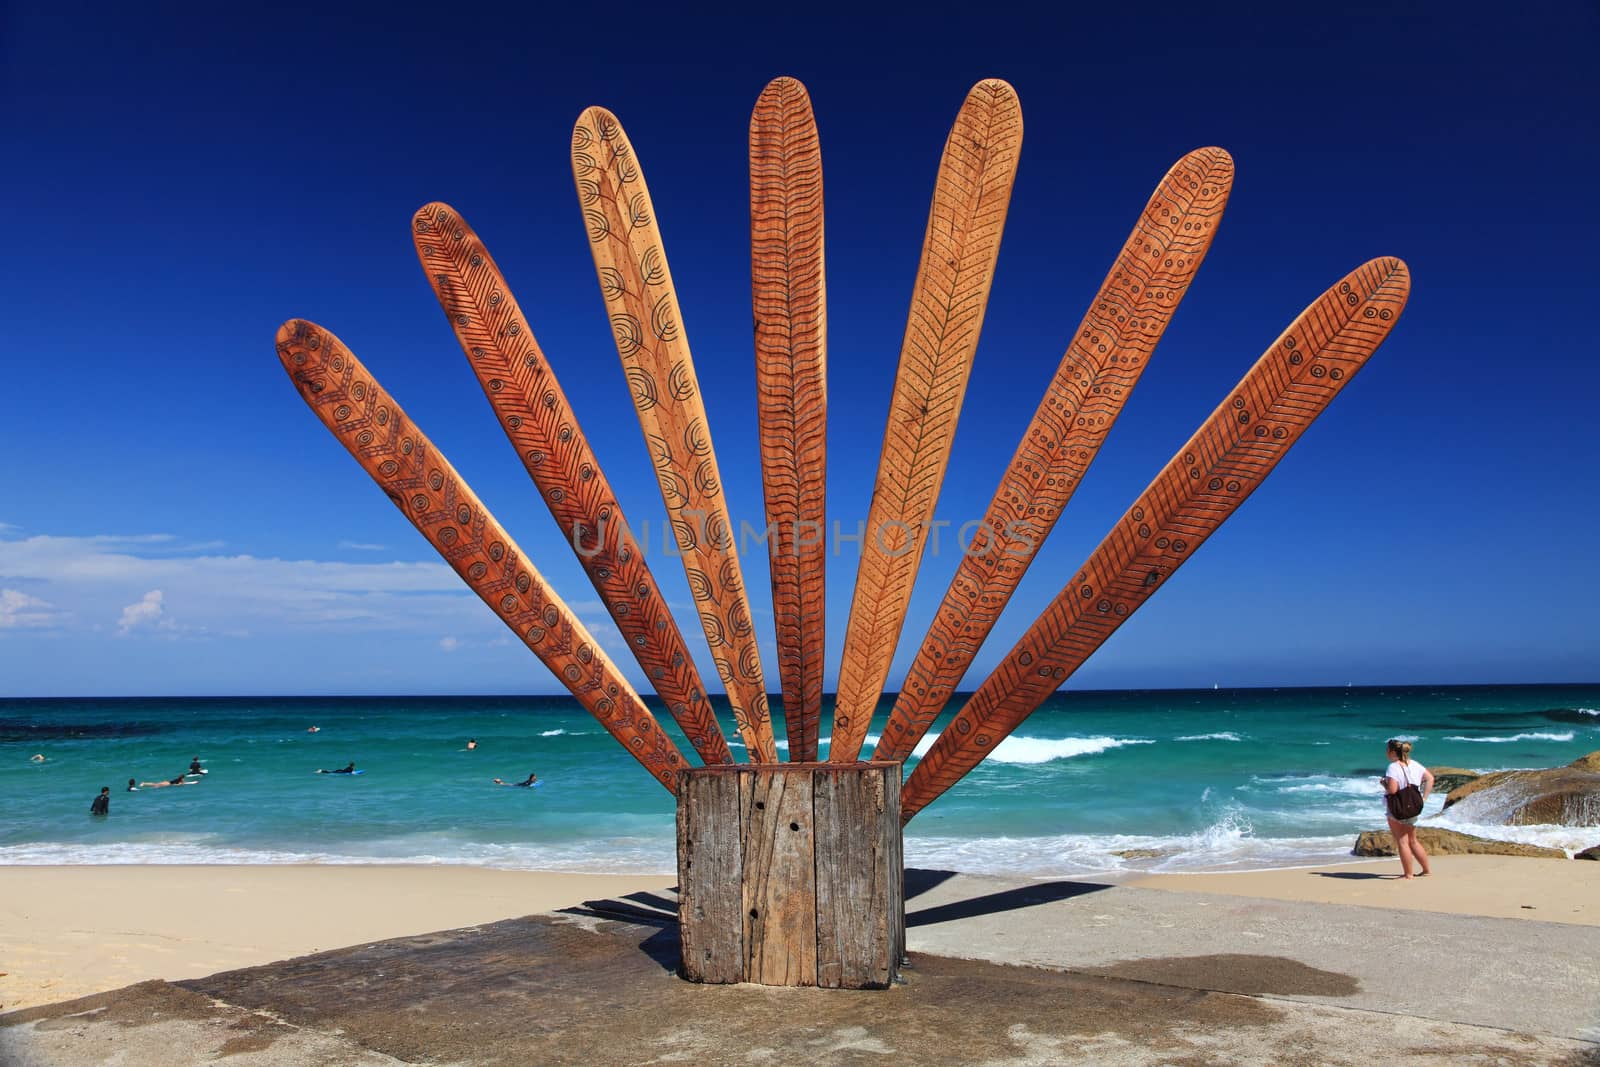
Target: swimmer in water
<point>313,729</point>
<point>524,784</point>
<point>347,769</point>
<point>472,743</point>
<point>133,786</point>
<point>39,758</point>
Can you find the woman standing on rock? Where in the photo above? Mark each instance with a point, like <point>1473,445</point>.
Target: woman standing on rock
<point>1406,785</point>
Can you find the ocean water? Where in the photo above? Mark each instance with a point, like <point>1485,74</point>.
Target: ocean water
<point>1205,780</point>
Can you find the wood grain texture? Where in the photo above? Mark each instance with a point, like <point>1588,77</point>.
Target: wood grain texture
<point>794,872</point>
<point>1108,353</point>
<point>971,196</point>
<point>860,881</point>
<point>789,295</point>
<point>1222,464</point>
<point>533,410</point>
<point>648,328</point>
<point>780,880</point>
<point>710,878</point>
<point>435,499</point>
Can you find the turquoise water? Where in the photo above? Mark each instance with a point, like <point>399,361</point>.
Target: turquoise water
<point>1213,779</point>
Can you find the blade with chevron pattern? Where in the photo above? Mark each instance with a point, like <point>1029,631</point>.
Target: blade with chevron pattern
<point>1222,464</point>
<point>533,410</point>
<point>428,491</point>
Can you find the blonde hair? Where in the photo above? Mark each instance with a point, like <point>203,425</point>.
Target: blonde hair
<point>1400,748</point>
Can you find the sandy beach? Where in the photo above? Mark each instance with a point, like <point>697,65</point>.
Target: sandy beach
<point>69,931</point>
<point>73,930</point>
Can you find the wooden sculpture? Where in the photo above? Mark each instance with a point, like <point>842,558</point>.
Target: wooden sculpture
<point>428,491</point>
<point>970,198</point>
<point>1223,463</point>
<point>648,329</point>
<point>789,294</point>
<point>1107,355</point>
<point>533,411</point>
<point>791,873</point>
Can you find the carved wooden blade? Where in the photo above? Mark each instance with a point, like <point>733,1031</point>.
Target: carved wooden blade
<point>1107,355</point>
<point>788,290</point>
<point>645,321</point>
<point>429,492</point>
<point>1223,463</point>
<point>970,199</point>
<point>533,411</point>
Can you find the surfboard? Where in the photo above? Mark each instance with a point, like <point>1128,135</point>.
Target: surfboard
<point>789,296</point>
<point>1104,361</point>
<point>421,482</point>
<point>533,410</point>
<point>971,195</point>
<point>647,325</point>
<point>1222,464</point>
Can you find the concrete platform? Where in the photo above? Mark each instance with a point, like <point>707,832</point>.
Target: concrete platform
<point>1140,985</point>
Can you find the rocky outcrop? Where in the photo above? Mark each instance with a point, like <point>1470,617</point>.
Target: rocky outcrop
<point>1441,842</point>
<point>1447,779</point>
<point>1591,763</point>
<point>1586,854</point>
<point>1568,796</point>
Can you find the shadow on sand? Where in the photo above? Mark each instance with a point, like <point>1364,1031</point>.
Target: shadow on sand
<point>661,911</point>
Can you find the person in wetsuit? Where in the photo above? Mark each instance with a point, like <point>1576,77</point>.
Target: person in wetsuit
<point>102,803</point>
<point>194,766</point>
<point>347,769</point>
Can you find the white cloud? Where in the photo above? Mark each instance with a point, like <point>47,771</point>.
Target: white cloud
<point>146,611</point>
<point>19,611</point>
<point>362,546</point>
<point>449,644</point>
<point>107,585</point>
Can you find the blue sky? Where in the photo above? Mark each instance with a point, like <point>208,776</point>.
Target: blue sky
<point>172,519</point>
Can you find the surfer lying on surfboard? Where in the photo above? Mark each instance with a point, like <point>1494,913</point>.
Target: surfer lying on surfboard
<point>528,782</point>
<point>347,769</point>
<point>182,779</point>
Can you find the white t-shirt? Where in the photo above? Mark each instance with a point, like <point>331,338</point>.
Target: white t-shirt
<point>1405,774</point>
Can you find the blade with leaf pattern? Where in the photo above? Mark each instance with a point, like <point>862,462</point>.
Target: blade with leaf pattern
<point>1107,355</point>
<point>970,199</point>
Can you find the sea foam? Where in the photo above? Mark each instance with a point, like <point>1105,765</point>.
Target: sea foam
<point>1540,736</point>
<point>1029,750</point>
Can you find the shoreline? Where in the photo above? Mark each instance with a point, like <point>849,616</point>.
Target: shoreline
<point>73,930</point>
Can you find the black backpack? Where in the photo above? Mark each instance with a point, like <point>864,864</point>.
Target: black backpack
<point>1405,802</point>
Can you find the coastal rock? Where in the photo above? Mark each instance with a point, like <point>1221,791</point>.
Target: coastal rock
<point>1592,853</point>
<point>1449,779</point>
<point>1568,796</point>
<point>1441,842</point>
<point>1591,762</point>
<point>1144,853</point>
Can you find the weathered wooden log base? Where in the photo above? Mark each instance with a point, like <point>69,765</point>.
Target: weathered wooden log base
<point>791,874</point>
